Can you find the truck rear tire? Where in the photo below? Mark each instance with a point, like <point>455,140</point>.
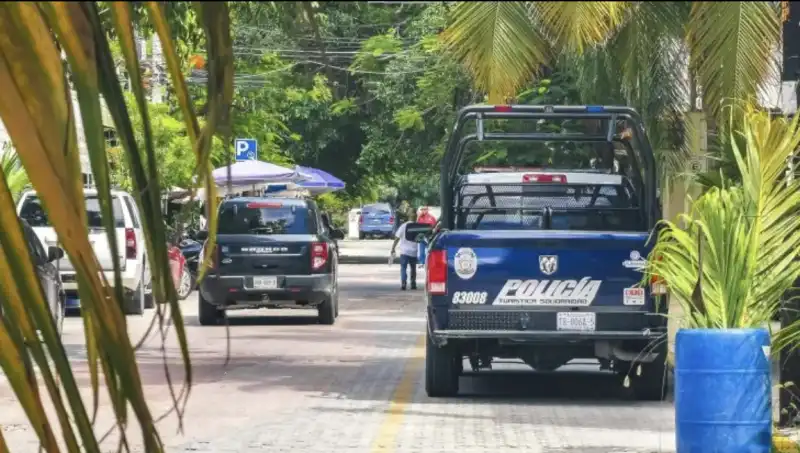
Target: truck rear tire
<point>208,314</point>
<point>652,384</point>
<point>443,367</point>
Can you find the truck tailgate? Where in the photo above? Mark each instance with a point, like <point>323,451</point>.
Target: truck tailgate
<point>546,269</point>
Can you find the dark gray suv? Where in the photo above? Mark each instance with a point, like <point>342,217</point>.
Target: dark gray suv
<point>43,260</point>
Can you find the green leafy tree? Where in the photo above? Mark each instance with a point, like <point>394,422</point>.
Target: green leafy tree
<point>176,159</point>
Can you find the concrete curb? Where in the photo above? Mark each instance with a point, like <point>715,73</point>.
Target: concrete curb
<point>784,444</point>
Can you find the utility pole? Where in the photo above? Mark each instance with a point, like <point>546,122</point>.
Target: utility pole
<point>789,359</point>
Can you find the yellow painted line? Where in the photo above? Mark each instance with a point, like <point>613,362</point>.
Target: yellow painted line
<point>784,444</point>
<point>386,438</point>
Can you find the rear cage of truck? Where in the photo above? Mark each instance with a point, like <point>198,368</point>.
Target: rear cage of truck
<point>641,181</point>
<point>551,202</point>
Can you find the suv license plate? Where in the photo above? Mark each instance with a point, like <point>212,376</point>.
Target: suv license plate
<point>265,282</point>
<point>581,322</point>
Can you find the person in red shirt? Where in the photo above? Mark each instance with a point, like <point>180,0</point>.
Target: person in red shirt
<point>426,217</point>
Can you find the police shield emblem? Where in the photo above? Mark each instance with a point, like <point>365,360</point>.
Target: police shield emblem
<point>548,264</point>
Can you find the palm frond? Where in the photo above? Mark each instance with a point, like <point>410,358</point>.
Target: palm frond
<point>36,108</point>
<point>14,172</point>
<point>750,234</point>
<point>576,26</point>
<point>649,37</point>
<point>643,65</point>
<point>498,44</point>
<point>732,47</point>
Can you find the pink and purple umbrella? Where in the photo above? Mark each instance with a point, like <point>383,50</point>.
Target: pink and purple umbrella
<point>319,181</point>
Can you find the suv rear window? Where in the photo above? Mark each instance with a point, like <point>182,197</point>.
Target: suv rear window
<point>376,209</point>
<point>264,218</point>
<point>33,212</point>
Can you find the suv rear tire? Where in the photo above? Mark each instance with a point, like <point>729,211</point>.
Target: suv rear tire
<point>443,367</point>
<point>208,314</point>
<point>326,311</point>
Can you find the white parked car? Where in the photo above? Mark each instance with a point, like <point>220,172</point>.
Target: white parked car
<point>136,277</point>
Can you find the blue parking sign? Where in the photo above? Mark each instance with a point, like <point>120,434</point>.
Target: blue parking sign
<point>246,149</point>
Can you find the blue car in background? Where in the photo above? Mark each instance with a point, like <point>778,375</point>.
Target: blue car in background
<point>376,220</point>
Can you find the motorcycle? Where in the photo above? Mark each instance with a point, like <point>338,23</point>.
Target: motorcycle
<point>190,250</point>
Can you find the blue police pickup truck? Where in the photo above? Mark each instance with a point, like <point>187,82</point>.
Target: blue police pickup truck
<point>543,263</point>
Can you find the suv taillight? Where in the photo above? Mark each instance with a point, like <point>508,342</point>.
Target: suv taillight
<point>319,255</point>
<point>437,272</point>
<point>130,244</point>
<point>361,218</point>
<point>391,220</point>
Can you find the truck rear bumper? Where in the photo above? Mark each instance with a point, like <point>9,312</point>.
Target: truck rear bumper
<point>520,326</point>
<point>534,335</point>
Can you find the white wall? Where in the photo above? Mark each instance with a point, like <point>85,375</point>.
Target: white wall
<point>5,140</point>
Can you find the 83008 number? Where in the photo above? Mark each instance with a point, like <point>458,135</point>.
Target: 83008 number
<point>469,297</point>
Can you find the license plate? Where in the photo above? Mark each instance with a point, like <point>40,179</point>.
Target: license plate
<point>265,282</point>
<point>581,322</point>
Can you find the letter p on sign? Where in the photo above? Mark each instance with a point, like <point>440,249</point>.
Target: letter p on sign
<point>246,149</point>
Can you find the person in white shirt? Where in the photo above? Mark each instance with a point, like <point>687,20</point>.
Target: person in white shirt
<point>408,254</point>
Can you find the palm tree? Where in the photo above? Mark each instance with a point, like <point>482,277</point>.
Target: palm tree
<point>730,44</point>
<point>658,57</point>
<point>15,174</point>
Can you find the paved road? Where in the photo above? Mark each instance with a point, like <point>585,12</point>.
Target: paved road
<point>294,386</point>
<point>367,251</point>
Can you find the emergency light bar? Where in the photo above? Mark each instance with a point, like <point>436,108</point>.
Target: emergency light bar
<point>549,108</point>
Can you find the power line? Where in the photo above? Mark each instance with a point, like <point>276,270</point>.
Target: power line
<point>198,79</point>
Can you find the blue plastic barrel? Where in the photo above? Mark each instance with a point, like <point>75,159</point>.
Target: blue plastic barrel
<point>723,395</point>
<point>422,248</point>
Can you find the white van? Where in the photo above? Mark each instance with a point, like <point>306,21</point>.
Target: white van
<point>136,277</point>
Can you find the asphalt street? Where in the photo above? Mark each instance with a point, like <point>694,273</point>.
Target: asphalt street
<point>292,385</point>
<point>370,251</point>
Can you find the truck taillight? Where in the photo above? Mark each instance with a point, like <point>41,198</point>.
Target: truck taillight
<point>437,272</point>
<point>658,287</point>
<point>319,255</point>
<point>502,108</point>
<point>130,244</point>
<point>558,179</point>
